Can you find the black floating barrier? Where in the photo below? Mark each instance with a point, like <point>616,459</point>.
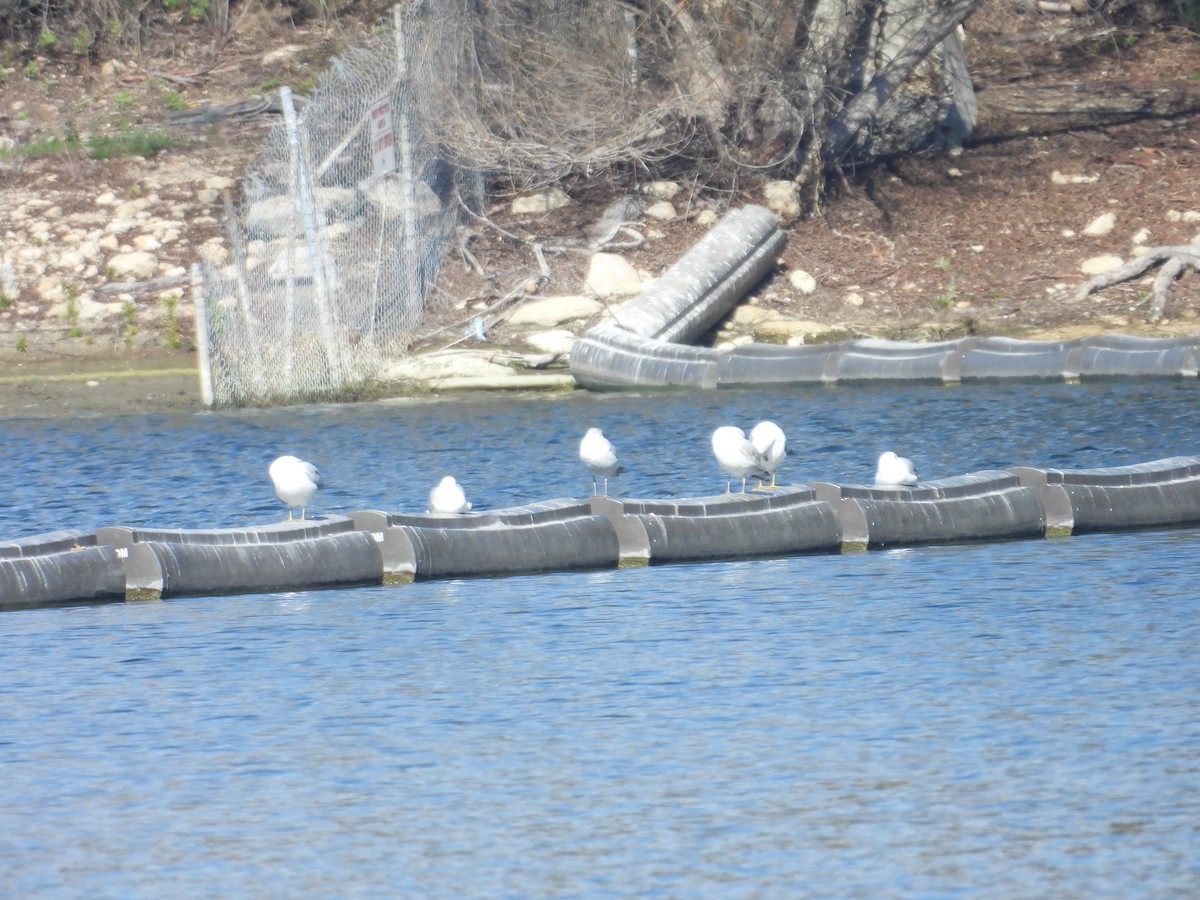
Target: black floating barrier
<point>757,364</point>
<point>988,505</point>
<point>58,567</point>
<point>609,358</point>
<point>1165,492</point>
<point>553,535</point>
<point>369,547</point>
<point>873,359</point>
<point>776,522</point>
<point>1000,357</point>
<point>1127,356</point>
<point>317,553</point>
<point>700,289</point>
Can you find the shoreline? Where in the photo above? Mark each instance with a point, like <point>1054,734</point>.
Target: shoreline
<point>110,381</point>
<point>98,383</point>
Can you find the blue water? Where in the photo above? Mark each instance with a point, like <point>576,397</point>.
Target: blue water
<point>1015,719</point>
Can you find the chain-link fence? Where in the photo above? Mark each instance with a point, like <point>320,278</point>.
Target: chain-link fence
<point>344,217</point>
<point>338,234</point>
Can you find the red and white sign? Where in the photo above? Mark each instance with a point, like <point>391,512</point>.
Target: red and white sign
<point>383,140</point>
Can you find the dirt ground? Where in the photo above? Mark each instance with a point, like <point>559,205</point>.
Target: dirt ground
<point>986,241</point>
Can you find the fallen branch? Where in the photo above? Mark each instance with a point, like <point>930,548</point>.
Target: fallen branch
<point>137,287</point>
<point>1098,102</point>
<point>1175,260</point>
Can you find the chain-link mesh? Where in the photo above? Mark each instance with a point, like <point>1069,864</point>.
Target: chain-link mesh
<point>338,234</point>
<point>343,218</point>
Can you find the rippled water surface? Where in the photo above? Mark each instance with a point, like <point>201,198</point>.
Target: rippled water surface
<point>1005,720</point>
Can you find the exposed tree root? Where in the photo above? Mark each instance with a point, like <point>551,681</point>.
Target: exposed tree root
<point>1174,259</point>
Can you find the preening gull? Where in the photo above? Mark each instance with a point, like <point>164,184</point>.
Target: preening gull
<point>448,498</point>
<point>296,482</point>
<point>768,439</point>
<point>737,456</point>
<point>600,457</point>
<point>894,470</point>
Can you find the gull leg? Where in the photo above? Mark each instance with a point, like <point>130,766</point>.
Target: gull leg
<point>595,488</point>
<point>605,485</point>
<point>290,516</point>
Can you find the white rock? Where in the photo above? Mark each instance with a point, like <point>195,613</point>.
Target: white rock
<point>218,183</point>
<point>1141,236</point>
<point>1059,178</point>
<point>138,264</point>
<point>1098,265</point>
<point>750,315</point>
<point>791,328</point>
<point>120,226</point>
<point>663,190</point>
<point>706,217</point>
<point>802,281</point>
<point>108,198</point>
<point>782,197</point>
<point>147,242</point>
<point>130,208</point>
<point>611,275</point>
<point>853,299</point>
<point>72,260</point>
<point>388,195</point>
<point>663,210</point>
<point>278,217</point>
<point>1101,225</point>
<point>89,309</point>
<point>298,267</point>
<point>274,217</point>
<point>431,368</point>
<point>214,251</point>
<point>555,198</point>
<point>547,312</point>
<point>557,340</point>
<point>49,290</point>
<point>282,55</point>
<point>954,173</point>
